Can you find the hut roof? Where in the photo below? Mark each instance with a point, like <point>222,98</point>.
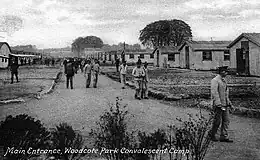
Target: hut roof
<point>253,37</point>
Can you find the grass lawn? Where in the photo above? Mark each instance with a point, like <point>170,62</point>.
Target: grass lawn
<point>177,81</point>
<point>32,81</point>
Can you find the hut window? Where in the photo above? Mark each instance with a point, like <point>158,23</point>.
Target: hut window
<point>5,59</point>
<point>131,56</point>
<point>207,56</point>
<point>171,57</point>
<point>142,56</point>
<point>226,55</point>
<point>2,59</point>
<point>151,56</point>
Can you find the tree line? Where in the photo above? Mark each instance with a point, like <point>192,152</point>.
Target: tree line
<point>156,34</point>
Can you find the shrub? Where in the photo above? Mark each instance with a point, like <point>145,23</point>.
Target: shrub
<point>23,132</point>
<point>111,132</point>
<point>65,138</point>
<point>155,140</point>
<point>193,135</point>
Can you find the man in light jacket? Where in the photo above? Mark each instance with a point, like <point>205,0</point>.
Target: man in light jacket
<point>138,73</point>
<point>122,70</point>
<point>221,105</point>
<point>87,73</point>
<point>96,70</point>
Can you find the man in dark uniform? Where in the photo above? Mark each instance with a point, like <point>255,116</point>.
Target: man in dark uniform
<point>14,70</point>
<point>117,64</point>
<point>221,105</point>
<point>70,71</point>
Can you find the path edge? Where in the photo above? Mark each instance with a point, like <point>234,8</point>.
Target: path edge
<point>240,111</point>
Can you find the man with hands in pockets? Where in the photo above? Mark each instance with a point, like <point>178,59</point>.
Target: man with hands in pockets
<point>221,105</point>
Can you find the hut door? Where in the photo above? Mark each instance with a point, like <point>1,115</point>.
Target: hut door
<point>187,58</point>
<point>240,61</point>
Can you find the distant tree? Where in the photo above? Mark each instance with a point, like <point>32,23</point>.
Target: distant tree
<point>165,33</point>
<point>80,43</point>
<point>136,46</point>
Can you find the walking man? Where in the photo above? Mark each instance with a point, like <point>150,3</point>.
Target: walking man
<point>138,73</point>
<point>96,70</point>
<point>145,81</point>
<point>122,70</point>
<point>221,105</point>
<point>70,71</point>
<point>14,70</point>
<point>87,73</point>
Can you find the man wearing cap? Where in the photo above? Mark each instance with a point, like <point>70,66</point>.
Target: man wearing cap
<point>70,71</point>
<point>87,73</point>
<point>122,70</point>
<point>138,73</point>
<point>14,70</point>
<point>221,105</point>
<point>145,81</point>
<point>96,70</point>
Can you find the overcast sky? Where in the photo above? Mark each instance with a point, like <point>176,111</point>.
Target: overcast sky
<point>55,23</point>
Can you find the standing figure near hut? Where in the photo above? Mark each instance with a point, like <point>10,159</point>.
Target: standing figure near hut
<point>14,70</point>
<point>122,70</point>
<point>87,73</point>
<point>138,73</point>
<point>145,82</point>
<point>221,105</point>
<point>70,71</point>
<point>139,60</point>
<point>96,70</point>
<point>117,64</point>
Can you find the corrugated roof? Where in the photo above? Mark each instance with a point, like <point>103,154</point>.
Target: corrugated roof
<point>253,37</point>
<point>169,49</point>
<point>207,45</point>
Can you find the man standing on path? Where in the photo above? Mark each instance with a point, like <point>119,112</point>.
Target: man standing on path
<point>145,81</point>
<point>221,105</point>
<point>14,70</point>
<point>87,73</point>
<point>138,73</point>
<point>117,64</point>
<point>139,60</point>
<point>122,70</point>
<point>96,70</point>
<point>70,71</point>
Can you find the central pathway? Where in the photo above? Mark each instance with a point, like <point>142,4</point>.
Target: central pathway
<point>82,107</point>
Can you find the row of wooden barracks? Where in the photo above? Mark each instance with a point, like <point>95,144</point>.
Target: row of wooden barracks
<point>241,55</point>
<point>6,53</point>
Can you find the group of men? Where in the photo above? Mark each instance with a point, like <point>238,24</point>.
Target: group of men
<point>140,74</point>
<point>88,68</point>
<point>219,90</point>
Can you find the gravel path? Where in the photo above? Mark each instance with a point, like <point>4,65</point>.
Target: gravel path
<point>82,107</point>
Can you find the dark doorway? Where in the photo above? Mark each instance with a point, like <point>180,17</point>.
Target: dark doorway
<point>187,58</point>
<point>240,61</point>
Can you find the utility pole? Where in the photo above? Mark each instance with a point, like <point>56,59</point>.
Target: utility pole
<point>123,54</point>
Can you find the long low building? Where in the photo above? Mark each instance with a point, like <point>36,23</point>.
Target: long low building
<point>131,56</point>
